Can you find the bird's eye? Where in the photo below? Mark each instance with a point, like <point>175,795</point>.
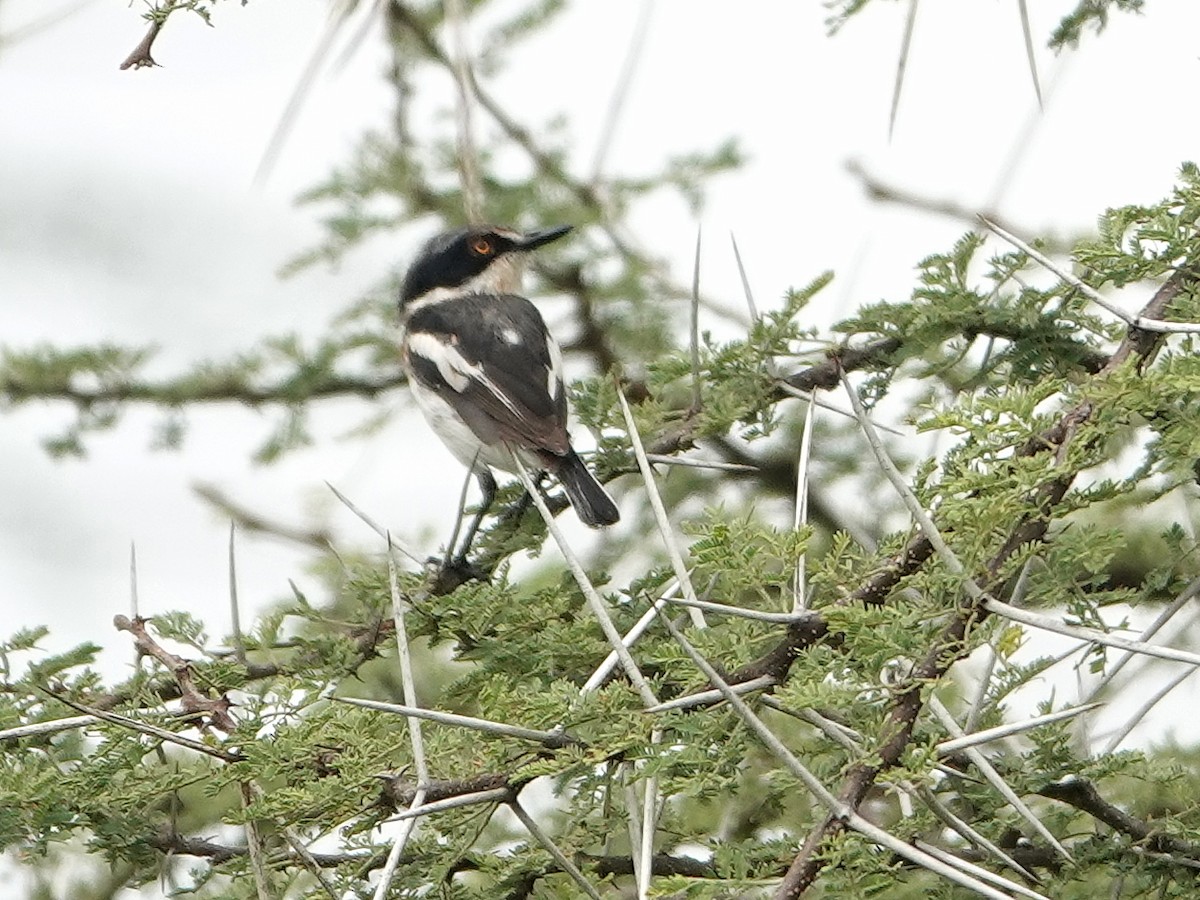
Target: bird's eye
<point>481,247</point>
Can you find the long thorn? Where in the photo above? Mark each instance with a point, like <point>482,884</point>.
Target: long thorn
<point>901,65</point>
<point>632,672</point>
<point>552,739</point>
<point>800,519</point>
<point>660,511</point>
<point>235,616</point>
<point>544,839</point>
<point>695,333</point>
<point>1028,32</point>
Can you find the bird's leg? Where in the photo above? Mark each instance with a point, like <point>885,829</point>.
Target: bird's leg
<point>487,484</point>
<point>514,513</point>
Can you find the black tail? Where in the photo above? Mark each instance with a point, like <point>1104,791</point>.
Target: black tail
<point>592,503</point>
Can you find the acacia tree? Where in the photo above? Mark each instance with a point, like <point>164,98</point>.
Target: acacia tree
<point>756,710</point>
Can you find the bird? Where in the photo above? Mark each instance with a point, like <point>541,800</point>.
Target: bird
<point>485,370</point>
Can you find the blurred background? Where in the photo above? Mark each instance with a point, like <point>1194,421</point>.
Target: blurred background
<point>130,213</point>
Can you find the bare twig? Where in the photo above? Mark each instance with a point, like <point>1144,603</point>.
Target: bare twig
<point>1050,623</point>
<point>255,848</point>
<point>1134,321</point>
<point>468,157</point>
<point>552,739</point>
<point>1140,713</point>
<point>905,46</point>
<point>988,771</point>
<point>616,103</point>
<point>374,526</point>
<point>946,748</point>
<point>746,291</point>
<point>822,794</point>
<point>408,684</point>
<point>493,795</point>
<point>162,734</point>
<point>559,857</point>
<point>235,615</point>
<point>194,701</point>
<point>1023,7</point>
<point>694,338</point>
<point>140,57</point>
<point>51,727</point>
<point>660,511</point>
<point>632,672</point>
<point>800,518</point>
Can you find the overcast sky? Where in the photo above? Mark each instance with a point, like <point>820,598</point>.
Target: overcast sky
<point>128,213</point>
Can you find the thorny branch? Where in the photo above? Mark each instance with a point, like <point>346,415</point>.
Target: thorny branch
<point>951,644</point>
<point>194,701</point>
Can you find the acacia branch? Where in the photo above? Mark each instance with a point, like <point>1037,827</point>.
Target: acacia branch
<point>951,644</point>
<point>194,701</point>
<point>140,57</point>
<point>1083,795</point>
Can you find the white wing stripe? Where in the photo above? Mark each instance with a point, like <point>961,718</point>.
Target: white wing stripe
<point>453,366</point>
<point>554,379</point>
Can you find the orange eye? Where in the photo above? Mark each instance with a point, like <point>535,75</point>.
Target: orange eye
<point>481,247</point>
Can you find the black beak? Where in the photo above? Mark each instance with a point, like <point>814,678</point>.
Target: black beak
<point>535,239</point>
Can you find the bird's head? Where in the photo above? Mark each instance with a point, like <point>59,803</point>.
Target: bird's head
<point>481,259</point>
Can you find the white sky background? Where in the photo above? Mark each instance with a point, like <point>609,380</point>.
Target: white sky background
<point>128,214</point>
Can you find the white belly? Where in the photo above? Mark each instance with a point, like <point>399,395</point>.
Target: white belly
<point>460,439</point>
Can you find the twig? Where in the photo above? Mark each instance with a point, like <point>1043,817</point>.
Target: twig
<point>1049,623</point>
<point>52,727</point>
<point>254,847</point>
<point>553,739</point>
<point>559,857</point>
<point>694,339</point>
<point>632,672</point>
<point>718,465</point>
<point>746,291</point>
<point>800,518</point>
<point>492,795</point>
<point>1185,596</point>
<point>1134,321</point>
<point>1117,739</point>
<point>810,397</point>
<point>133,581</point>
<point>408,685</point>
<point>340,14</point>
<point>616,103</point>
<point>946,748</point>
<point>252,522</point>
<point>944,813</point>
<point>1082,794</point>
<point>649,822</point>
<point>977,871</point>
<point>846,738</point>
<point>468,157</point>
<point>988,771</point>
<point>708,698</point>
<point>610,662</point>
<point>725,609</point>
<point>398,845</point>
<point>836,807</point>
<point>229,756</point>
<point>660,512</point>
<point>901,65</point>
<point>375,526</point>
<point>193,700</point>
<point>1028,32</point>
<point>235,616</point>
<point>140,57</point>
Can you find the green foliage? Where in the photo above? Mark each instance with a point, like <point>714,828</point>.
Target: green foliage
<point>1089,13</point>
<point>1057,471</point>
